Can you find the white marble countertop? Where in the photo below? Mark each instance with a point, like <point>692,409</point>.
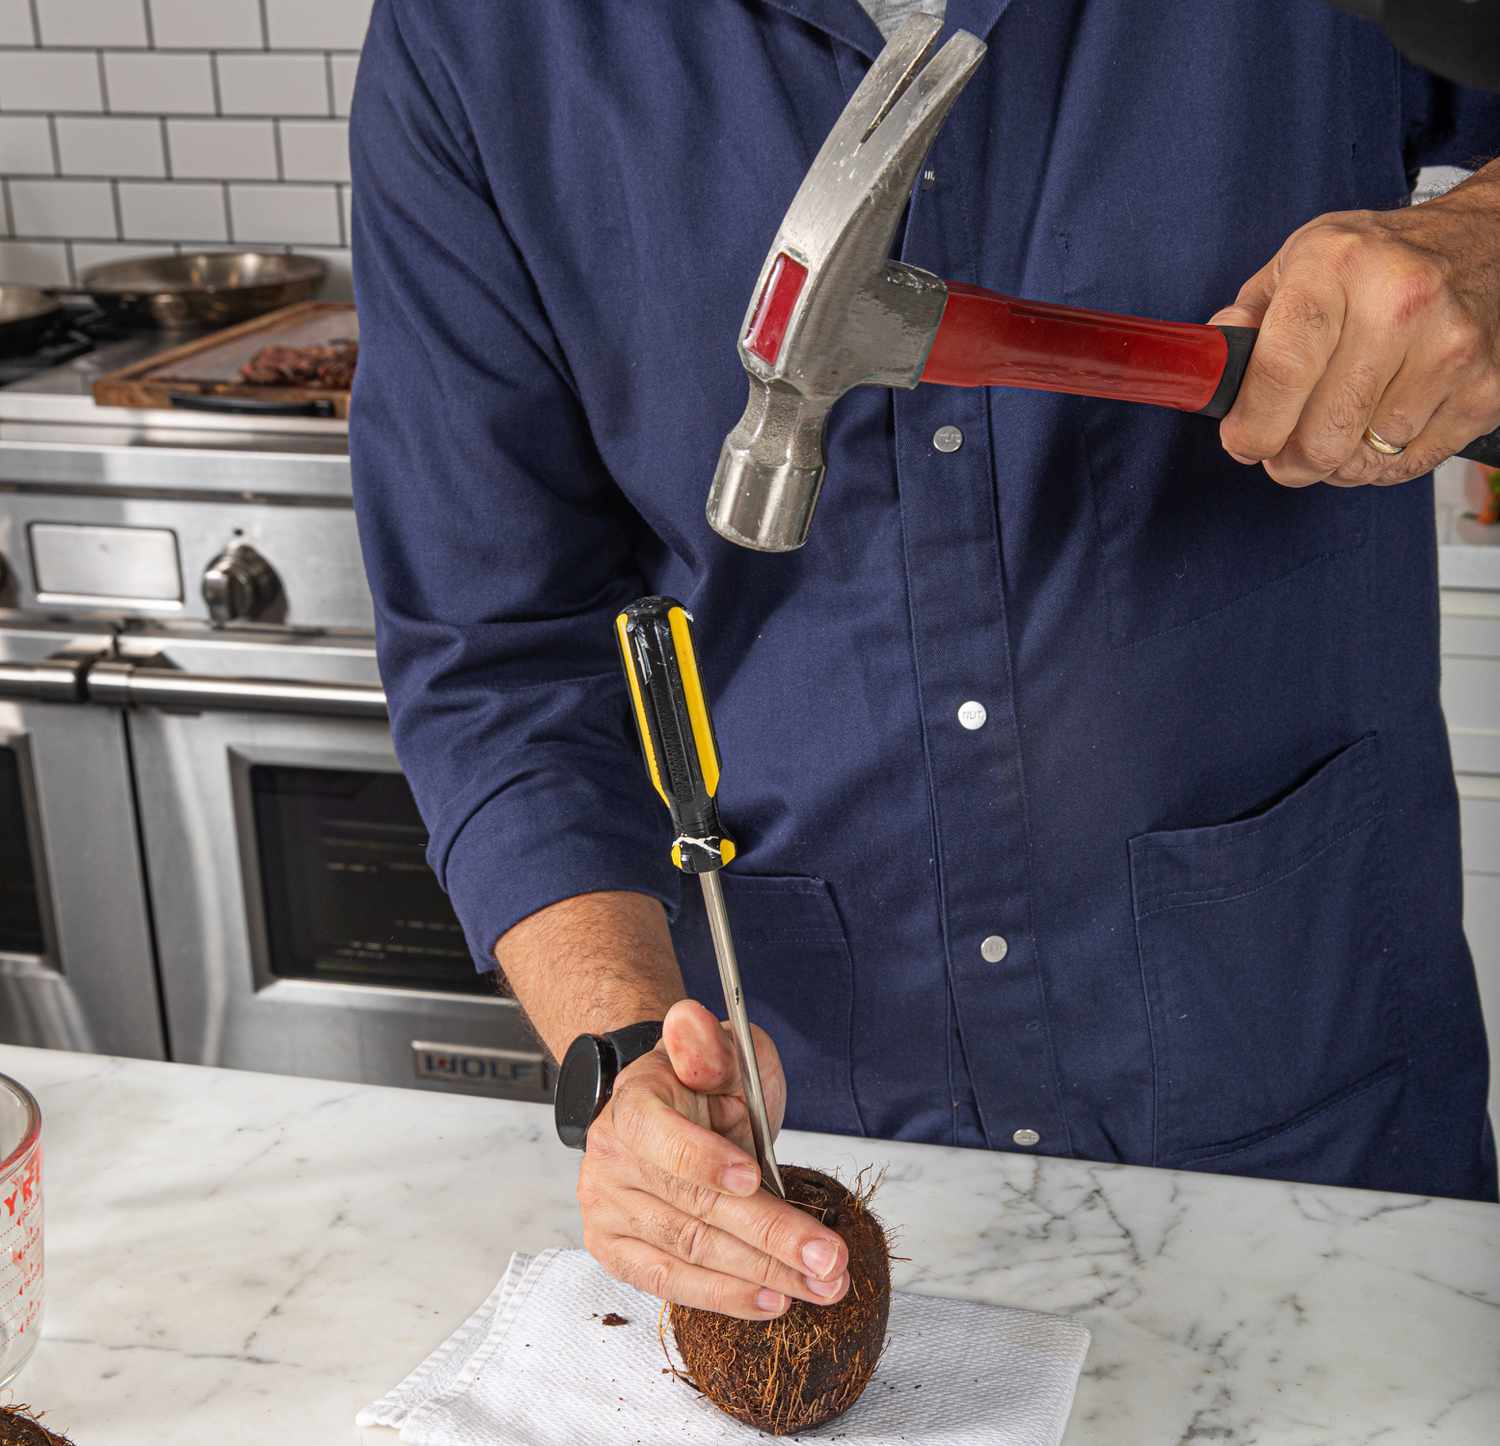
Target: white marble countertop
<point>238,1258</point>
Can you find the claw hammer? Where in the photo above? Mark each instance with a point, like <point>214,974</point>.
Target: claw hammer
<point>832,311</point>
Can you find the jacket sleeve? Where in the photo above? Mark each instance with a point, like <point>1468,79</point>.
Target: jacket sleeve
<point>1448,124</point>
<point>498,548</point>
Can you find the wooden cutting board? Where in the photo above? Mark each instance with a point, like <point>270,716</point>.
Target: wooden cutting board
<point>209,367</point>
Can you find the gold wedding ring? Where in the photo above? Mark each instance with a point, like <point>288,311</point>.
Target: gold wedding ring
<point>1379,443</point>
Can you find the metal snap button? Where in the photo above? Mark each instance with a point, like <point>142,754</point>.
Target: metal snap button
<point>993,949</point>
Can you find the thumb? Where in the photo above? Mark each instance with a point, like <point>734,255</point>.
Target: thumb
<point>702,1055</point>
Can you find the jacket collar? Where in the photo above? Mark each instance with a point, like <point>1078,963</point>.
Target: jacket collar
<point>849,21</point>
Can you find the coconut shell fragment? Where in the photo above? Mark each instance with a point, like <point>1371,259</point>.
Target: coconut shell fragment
<point>810,1364</point>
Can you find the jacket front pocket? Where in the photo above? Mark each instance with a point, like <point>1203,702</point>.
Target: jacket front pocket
<point>1265,952</point>
<point>798,978</point>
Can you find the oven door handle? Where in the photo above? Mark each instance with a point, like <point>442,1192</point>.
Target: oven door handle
<point>52,680</point>
<point>133,685</point>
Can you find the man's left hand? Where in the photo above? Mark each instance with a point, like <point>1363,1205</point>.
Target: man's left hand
<point>1381,319</point>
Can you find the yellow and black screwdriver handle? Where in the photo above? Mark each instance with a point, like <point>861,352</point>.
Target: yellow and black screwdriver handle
<point>677,734</point>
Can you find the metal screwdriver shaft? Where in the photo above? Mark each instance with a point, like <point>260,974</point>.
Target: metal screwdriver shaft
<point>739,1025</point>
<point>677,738</point>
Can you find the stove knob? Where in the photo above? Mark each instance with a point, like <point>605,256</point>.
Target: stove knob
<point>239,584</point>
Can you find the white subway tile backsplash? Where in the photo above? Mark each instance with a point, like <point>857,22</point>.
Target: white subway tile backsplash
<point>29,263</point>
<point>15,23</point>
<point>101,253</point>
<point>149,82</point>
<point>92,22</point>
<point>285,214</point>
<point>129,127</point>
<point>315,150</point>
<point>49,80</point>
<point>25,146</point>
<point>223,149</point>
<point>343,68</point>
<point>63,209</point>
<point>273,84</point>
<point>207,24</point>
<point>110,146</point>
<point>173,211</point>
<point>324,25</point>
<point>346,201</point>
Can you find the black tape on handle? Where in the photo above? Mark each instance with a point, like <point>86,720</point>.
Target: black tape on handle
<point>1485,450</point>
<point>1241,339</point>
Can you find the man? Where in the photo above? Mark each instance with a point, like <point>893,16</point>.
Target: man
<point>1092,787</point>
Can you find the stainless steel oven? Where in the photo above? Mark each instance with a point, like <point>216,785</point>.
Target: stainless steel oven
<point>76,964</point>
<point>207,850</point>
<point>299,929</point>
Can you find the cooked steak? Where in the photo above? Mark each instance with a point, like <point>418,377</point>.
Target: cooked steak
<point>329,367</point>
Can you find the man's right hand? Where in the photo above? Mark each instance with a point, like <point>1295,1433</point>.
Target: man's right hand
<point>670,1189</point>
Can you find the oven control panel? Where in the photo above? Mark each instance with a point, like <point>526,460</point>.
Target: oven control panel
<point>214,560</point>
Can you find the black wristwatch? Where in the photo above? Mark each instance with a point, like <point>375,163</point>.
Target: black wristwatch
<point>586,1078</point>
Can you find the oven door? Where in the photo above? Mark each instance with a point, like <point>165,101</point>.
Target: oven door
<point>76,963</point>
<point>299,928</point>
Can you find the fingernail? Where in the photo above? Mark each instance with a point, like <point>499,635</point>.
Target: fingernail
<point>770,1301</point>
<point>818,1256</point>
<point>825,1288</point>
<point>741,1180</point>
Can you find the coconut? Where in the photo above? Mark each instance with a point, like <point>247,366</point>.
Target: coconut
<point>812,1362</point>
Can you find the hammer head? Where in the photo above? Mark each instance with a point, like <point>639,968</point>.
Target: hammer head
<point>831,310</point>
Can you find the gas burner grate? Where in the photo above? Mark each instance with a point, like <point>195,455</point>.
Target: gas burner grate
<point>56,349</point>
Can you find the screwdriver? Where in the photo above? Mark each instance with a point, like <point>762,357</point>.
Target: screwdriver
<point>682,758</point>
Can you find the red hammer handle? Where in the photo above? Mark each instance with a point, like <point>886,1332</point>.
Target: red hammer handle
<point>989,340</point>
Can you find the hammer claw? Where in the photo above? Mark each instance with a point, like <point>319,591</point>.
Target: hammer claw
<point>886,80</point>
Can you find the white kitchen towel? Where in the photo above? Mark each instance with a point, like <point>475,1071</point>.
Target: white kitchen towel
<point>536,1366</point>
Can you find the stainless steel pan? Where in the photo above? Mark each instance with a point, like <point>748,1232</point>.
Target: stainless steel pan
<point>206,289</point>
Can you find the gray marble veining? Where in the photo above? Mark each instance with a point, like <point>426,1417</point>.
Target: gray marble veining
<point>238,1258</point>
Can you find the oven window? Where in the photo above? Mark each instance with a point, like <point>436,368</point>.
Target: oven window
<point>348,895</point>
<point>20,906</point>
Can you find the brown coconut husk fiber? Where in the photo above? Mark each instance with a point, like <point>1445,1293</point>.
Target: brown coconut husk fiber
<point>18,1427</point>
<point>811,1363</point>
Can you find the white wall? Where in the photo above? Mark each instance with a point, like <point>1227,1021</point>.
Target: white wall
<point>137,126</point>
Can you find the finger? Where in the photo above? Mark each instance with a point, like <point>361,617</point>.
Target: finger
<point>1450,427</point>
<point>1400,416</point>
<point>1298,336</point>
<point>650,1269</point>
<point>695,1241</point>
<point>702,1054</point>
<point>772,1079</point>
<point>794,1237</point>
<point>728,1113</point>
<point>1330,432</point>
<point>653,1131</point>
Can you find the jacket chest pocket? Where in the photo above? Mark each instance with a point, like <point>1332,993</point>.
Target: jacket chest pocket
<point>1266,955</point>
<point>798,978</point>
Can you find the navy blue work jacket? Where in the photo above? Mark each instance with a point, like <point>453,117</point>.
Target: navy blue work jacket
<point>1190,894</point>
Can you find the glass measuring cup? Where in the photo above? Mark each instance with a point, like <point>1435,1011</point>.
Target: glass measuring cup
<point>20,1226</point>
